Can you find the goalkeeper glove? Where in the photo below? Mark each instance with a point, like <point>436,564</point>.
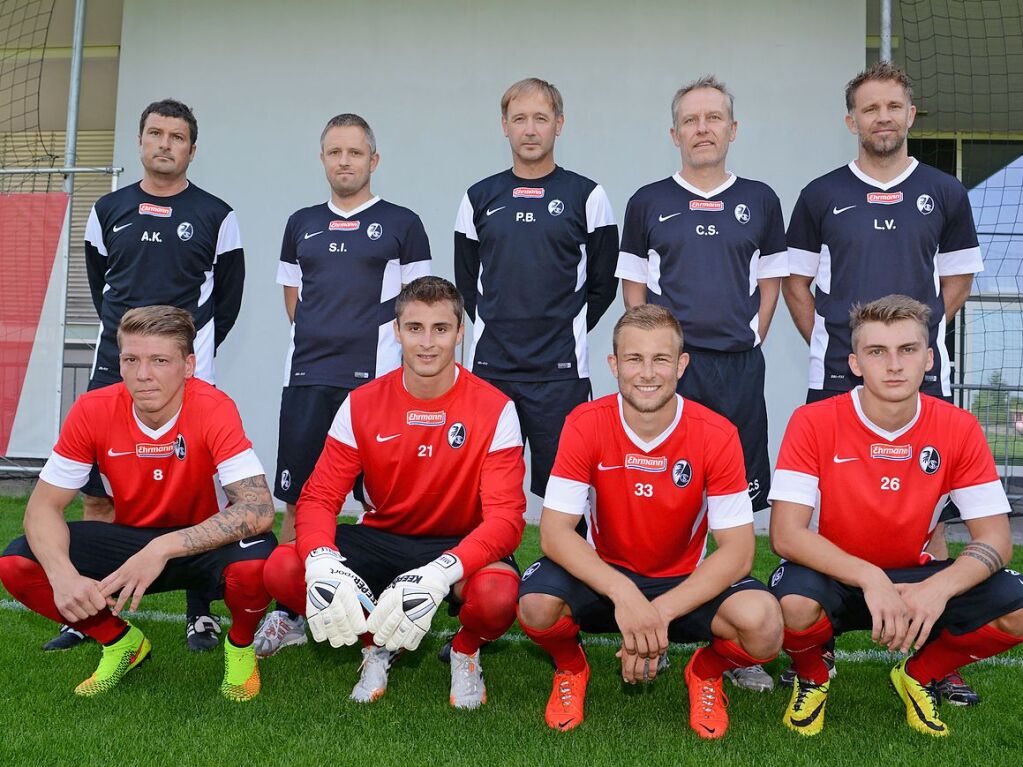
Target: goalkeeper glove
<point>335,598</point>
<point>406,608</point>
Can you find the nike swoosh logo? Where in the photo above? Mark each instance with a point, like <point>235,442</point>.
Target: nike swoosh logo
<point>122,226</point>
<point>602,467</point>
<point>813,715</point>
<point>711,730</point>
<point>836,211</point>
<point>112,454</point>
<point>247,544</point>
<point>492,212</point>
<point>662,219</point>
<point>563,725</point>
<point>843,460</point>
<point>387,439</point>
<point>753,496</point>
<point>306,236</point>
<point>923,717</point>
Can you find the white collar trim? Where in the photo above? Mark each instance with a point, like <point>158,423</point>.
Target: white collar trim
<point>891,436</point>
<point>653,444</point>
<point>705,195</point>
<point>884,187</point>
<point>156,433</point>
<point>349,213</point>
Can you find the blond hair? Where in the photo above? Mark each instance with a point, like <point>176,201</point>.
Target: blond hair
<point>168,321</point>
<point>534,85</point>
<point>647,317</point>
<point>888,310</point>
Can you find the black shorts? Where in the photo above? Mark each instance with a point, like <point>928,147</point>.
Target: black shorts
<point>379,556</point>
<point>847,611</point>
<point>595,613</point>
<point>98,548</point>
<point>306,415</point>
<point>542,407</point>
<point>732,384</point>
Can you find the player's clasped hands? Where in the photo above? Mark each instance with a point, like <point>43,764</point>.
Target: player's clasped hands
<point>133,578</point>
<point>888,611</point>
<point>77,597</point>
<point>644,636</point>
<point>925,603</point>
<point>335,598</point>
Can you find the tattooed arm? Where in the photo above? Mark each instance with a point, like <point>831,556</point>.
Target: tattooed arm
<point>989,547</point>
<point>250,512</point>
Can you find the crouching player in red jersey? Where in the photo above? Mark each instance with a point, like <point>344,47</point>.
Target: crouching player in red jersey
<point>441,455</point>
<point>160,439</point>
<point>878,465</point>
<point>665,470</point>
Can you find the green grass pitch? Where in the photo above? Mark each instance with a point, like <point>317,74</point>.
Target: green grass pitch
<point>170,712</point>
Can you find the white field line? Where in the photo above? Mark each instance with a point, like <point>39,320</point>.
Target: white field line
<point>845,656</point>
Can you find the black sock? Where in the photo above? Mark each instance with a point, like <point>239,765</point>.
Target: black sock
<point>292,615</point>
<point>197,604</point>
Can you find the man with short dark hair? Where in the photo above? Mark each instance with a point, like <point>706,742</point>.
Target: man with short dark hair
<point>342,264</point>
<point>665,471</point>
<point>161,438</point>
<point>162,240</point>
<point>534,257</point>
<point>440,451</point>
<point>885,223</point>
<point>710,246</point>
<point>875,465</point>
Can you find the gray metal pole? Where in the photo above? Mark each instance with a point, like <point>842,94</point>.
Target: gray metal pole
<point>886,30</point>
<point>75,89</point>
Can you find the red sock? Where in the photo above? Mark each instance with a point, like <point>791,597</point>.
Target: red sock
<point>247,599</point>
<point>719,656</point>
<point>562,642</point>
<point>27,582</point>
<point>806,648</point>
<point>488,608</point>
<point>284,578</point>
<point>950,651</point>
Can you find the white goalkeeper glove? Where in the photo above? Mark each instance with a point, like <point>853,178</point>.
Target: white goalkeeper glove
<point>334,599</point>
<point>406,608</point>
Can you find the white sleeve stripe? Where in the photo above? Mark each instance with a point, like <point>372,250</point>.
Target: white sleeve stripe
<point>289,275</point>
<point>341,428</point>
<point>94,233</point>
<point>598,210</point>
<point>773,265</point>
<point>981,500</point>
<point>967,261</point>
<point>230,237</point>
<point>567,495</point>
<point>463,221</point>
<point>414,270</point>
<point>724,511</point>
<point>795,487</point>
<point>242,466</point>
<point>804,262</point>
<point>508,433</point>
<point>63,472</point>
<point>631,267</point>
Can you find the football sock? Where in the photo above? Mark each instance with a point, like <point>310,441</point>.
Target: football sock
<point>719,656</point>
<point>488,608</point>
<point>806,648</point>
<point>246,597</point>
<point>284,576</point>
<point>562,642</point>
<point>196,603</point>
<point>26,580</point>
<point>292,615</point>
<point>949,651</point>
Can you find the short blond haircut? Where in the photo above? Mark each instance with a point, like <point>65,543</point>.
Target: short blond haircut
<point>882,71</point>
<point>168,321</point>
<point>647,317</point>
<point>888,310</point>
<point>534,85</point>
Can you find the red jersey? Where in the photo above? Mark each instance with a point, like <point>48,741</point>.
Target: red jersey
<point>879,493</point>
<point>450,466</point>
<point>654,500</point>
<point>164,477</point>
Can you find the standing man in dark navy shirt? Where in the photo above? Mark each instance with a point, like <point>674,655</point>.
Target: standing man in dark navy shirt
<point>342,264</point>
<point>161,241</point>
<point>710,246</point>
<point>535,248</point>
<point>885,223</point>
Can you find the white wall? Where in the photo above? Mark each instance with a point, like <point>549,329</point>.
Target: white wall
<point>263,77</point>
